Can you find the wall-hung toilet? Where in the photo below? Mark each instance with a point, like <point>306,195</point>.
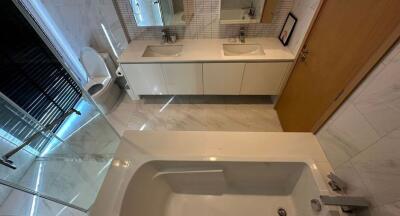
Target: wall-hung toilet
<point>100,83</point>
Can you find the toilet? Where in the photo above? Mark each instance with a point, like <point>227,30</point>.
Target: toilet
<point>100,84</point>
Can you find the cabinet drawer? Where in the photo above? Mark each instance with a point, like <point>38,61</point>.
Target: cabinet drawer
<point>264,78</point>
<point>183,79</point>
<point>145,79</point>
<point>222,78</point>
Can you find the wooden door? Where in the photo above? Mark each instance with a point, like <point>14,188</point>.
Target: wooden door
<point>347,40</point>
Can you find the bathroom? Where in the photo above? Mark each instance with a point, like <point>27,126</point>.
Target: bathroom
<point>200,107</point>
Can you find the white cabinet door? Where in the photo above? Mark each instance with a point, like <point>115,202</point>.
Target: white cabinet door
<point>183,79</point>
<point>145,79</point>
<point>264,78</point>
<point>222,78</point>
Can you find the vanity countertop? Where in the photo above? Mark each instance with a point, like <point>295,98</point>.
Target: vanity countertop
<point>207,50</point>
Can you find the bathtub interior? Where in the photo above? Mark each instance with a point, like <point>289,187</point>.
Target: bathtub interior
<point>166,188</point>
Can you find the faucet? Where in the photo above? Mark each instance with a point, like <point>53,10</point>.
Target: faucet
<point>165,37</point>
<point>242,35</point>
<point>348,204</point>
<point>336,183</point>
<point>252,10</point>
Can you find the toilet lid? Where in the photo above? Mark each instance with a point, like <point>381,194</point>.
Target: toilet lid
<point>95,88</point>
<point>94,63</point>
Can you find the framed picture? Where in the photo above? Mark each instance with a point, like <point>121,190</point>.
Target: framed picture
<point>287,29</point>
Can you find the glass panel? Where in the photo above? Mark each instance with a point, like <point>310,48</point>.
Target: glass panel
<point>30,205</point>
<point>67,166</point>
<point>70,168</point>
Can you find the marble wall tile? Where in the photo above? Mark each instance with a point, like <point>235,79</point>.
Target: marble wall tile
<point>379,168</point>
<point>80,22</point>
<point>392,209</point>
<point>304,10</point>
<point>380,101</point>
<point>352,129</point>
<point>346,135</point>
<point>355,187</point>
<point>362,138</point>
<point>336,151</point>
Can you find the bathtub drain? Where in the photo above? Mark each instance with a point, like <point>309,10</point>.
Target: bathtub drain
<point>282,212</point>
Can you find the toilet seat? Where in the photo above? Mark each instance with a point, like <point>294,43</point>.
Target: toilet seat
<point>106,95</point>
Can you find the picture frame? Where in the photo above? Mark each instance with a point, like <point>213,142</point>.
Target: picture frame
<point>287,29</point>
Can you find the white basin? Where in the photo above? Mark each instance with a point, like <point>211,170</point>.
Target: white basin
<point>163,51</point>
<point>243,49</point>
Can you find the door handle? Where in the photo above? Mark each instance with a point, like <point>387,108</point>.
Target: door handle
<point>303,54</point>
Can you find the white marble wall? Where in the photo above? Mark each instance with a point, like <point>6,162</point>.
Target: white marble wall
<point>80,22</point>
<point>304,10</point>
<point>362,139</point>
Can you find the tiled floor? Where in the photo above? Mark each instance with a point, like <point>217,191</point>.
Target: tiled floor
<point>195,113</point>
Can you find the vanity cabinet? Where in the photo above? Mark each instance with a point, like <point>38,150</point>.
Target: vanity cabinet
<point>222,78</point>
<point>264,78</point>
<point>183,78</point>
<point>145,79</point>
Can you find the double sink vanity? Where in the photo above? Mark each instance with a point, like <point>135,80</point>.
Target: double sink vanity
<point>259,66</point>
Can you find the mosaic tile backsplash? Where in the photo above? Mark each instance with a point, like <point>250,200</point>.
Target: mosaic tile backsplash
<point>204,23</point>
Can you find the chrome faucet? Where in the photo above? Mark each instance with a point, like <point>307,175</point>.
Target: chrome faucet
<point>348,204</point>
<point>242,35</point>
<point>252,10</point>
<point>336,183</point>
<point>165,37</point>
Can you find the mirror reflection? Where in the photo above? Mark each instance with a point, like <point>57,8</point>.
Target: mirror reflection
<point>241,11</point>
<point>158,12</point>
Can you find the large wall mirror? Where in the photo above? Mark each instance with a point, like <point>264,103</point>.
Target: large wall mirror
<point>247,11</point>
<point>158,12</point>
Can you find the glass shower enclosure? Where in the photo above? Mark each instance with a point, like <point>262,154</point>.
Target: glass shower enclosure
<point>60,170</point>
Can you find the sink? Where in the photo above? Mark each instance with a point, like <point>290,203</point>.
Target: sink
<point>243,49</point>
<point>162,51</point>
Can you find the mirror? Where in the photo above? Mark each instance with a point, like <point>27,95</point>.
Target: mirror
<point>241,11</point>
<point>158,12</point>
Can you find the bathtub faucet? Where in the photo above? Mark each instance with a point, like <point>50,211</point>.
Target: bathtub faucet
<point>348,204</point>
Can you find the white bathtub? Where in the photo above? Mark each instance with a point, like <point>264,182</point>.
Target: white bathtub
<point>217,188</point>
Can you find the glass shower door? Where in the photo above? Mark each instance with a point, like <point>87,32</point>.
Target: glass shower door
<point>65,165</point>
<point>68,170</point>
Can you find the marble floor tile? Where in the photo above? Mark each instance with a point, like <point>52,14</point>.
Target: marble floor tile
<point>24,204</point>
<point>195,113</point>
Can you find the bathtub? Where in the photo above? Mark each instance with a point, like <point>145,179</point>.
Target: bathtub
<point>217,188</point>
